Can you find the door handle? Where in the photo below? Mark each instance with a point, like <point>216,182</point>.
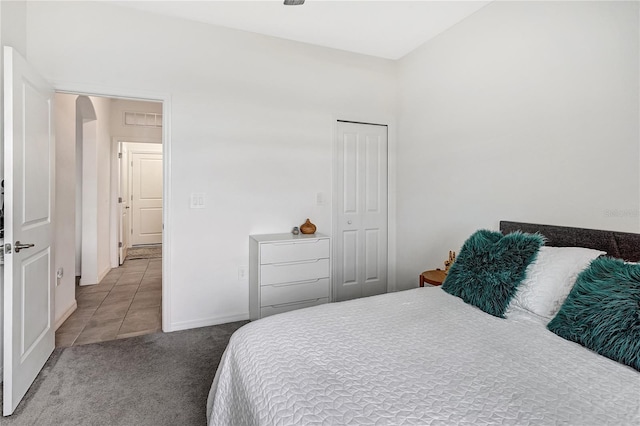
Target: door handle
<point>20,246</point>
<point>349,222</point>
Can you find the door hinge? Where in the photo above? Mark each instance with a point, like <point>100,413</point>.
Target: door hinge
<point>120,155</point>
<point>119,245</point>
<point>119,199</point>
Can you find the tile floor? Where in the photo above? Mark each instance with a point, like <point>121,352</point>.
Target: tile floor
<point>126,303</point>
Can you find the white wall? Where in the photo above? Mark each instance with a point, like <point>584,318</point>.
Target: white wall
<point>65,229</point>
<point>118,129</point>
<point>251,127</point>
<point>525,111</point>
<point>103,132</point>
<point>96,192</point>
<point>87,219</point>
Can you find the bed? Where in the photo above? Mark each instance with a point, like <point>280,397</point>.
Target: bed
<point>424,357</point>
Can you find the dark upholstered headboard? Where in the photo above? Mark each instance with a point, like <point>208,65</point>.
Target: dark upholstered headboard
<point>622,245</point>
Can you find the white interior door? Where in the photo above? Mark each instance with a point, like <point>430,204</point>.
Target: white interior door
<point>28,272</point>
<point>360,259</point>
<point>146,196</point>
<point>124,203</point>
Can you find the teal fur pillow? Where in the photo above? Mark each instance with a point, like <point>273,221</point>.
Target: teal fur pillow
<point>602,312</point>
<point>490,267</point>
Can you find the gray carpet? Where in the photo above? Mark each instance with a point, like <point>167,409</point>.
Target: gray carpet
<point>157,379</point>
<point>144,252</point>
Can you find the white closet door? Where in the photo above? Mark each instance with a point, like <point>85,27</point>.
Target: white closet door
<point>361,241</point>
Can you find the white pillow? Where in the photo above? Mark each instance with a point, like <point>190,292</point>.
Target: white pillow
<point>550,278</point>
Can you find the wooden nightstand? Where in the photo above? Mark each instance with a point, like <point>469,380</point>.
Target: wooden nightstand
<point>433,277</point>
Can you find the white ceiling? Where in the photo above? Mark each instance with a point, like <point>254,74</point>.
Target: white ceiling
<point>387,29</point>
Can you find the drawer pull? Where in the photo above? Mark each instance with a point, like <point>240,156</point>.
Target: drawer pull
<point>291,243</point>
<point>295,283</point>
<point>302,302</point>
<point>300,262</point>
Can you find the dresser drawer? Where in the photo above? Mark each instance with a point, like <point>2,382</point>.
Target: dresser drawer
<point>278,309</point>
<point>278,294</point>
<point>289,272</point>
<point>291,251</point>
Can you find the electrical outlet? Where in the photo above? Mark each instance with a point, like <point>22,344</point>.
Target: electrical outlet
<point>242,273</point>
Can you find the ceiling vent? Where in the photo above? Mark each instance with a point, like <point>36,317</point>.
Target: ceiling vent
<point>142,119</point>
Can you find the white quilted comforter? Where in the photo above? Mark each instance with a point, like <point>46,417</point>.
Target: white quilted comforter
<point>418,357</point>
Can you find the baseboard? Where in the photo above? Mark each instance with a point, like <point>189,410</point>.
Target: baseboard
<point>100,276</point>
<point>186,325</point>
<point>104,273</point>
<point>67,314</point>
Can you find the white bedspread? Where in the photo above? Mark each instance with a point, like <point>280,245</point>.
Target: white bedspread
<point>418,357</point>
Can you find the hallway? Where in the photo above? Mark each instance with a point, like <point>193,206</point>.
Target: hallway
<point>126,303</point>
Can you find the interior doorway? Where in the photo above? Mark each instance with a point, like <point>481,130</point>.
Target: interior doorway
<point>139,198</point>
<point>52,285</point>
<point>114,295</point>
<point>141,194</point>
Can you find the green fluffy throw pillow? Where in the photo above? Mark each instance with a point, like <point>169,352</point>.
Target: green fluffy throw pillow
<point>490,267</point>
<point>602,312</point>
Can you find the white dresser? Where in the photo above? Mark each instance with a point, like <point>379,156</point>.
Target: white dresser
<point>288,272</point>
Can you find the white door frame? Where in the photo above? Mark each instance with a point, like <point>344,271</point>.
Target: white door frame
<point>114,215</point>
<point>165,98</point>
<point>391,191</point>
<point>119,234</point>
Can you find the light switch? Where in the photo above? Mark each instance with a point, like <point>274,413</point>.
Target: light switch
<point>197,200</point>
<point>321,199</point>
